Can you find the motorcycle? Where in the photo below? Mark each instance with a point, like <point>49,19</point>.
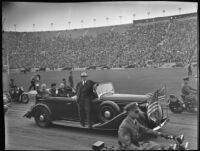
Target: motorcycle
<point>19,95</point>
<point>178,105</point>
<point>179,145</point>
<point>6,101</point>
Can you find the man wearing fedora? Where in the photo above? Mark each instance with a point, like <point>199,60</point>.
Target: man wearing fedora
<point>133,135</point>
<point>85,95</point>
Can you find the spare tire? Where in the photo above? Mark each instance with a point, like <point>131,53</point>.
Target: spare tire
<point>24,98</point>
<point>108,110</point>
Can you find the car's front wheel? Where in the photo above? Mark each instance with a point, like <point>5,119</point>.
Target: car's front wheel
<point>42,117</point>
<point>108,111</point>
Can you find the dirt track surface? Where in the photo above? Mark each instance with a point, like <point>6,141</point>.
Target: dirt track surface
<point>24,134</point>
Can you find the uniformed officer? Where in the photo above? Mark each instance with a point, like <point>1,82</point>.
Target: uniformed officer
<point>132,135</point>
<point>84,91</point>
<point>12,84</point>
<point>187,91</point>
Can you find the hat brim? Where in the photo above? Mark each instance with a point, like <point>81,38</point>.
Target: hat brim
<point>84,76</point>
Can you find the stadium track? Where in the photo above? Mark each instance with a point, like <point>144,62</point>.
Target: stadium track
<point>23,134</point>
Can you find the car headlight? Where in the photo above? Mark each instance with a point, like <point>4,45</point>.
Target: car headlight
<point>5,99</point>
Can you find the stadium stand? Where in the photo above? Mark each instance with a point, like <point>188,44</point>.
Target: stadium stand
<point>162,39</point>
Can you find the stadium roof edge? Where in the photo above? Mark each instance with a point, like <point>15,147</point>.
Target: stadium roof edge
<point>135,21</point>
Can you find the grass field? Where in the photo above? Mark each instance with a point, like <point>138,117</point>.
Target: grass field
<point>136,81</point>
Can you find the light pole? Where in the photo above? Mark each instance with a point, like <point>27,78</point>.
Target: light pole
<point>8,65</point>
<point>179,10</point>
<point>33,27</point>
<point>120,18</point>
<point>51,26</point>
<point>163,12</point>
<point>15,27</point>
<point>3,24</point>
<point>69,24</point>
<point>107,20</point>
<point>82,23</point>
<point>134,16</point>
<point>148,13</point>
<point>94,20</point>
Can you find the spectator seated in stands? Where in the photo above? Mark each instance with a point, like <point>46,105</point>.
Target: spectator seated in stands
<point>43,92</point>
<point>53,90</point>
<point>155,41</point>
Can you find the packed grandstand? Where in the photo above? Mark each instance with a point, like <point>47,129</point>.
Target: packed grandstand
<point>161,40</point>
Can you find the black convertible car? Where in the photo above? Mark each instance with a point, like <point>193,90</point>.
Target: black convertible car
<point>107,109</point>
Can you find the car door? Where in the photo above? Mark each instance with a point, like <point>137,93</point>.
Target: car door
<point>71,109</point>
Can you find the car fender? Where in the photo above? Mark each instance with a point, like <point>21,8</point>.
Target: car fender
<point>31,112</point>
<point>113,104</point>
<point>113,124</point>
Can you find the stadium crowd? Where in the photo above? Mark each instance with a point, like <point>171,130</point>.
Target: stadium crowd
<point>161,41</point>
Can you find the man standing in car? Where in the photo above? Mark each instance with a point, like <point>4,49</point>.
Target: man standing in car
<point>84,91</point>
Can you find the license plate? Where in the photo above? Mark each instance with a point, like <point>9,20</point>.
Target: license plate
<point>195,109</point>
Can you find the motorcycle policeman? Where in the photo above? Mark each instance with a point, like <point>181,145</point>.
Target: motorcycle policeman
<point>187,91</point>
<point>132,135</point>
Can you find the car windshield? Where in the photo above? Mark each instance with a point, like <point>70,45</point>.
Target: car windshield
<point>105,88</point>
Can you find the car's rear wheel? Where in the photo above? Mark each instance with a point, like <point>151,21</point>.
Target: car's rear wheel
<point>108,111</point>
<point>42,117</point>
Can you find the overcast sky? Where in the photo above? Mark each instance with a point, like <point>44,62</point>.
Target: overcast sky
<point>25,14</point>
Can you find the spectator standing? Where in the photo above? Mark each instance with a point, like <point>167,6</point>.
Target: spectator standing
<point>38,77</point>
<point>189,70</point>
<point>33,82</point>
<point>70,79</point>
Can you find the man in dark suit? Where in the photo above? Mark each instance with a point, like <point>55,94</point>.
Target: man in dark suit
<point>53,90</point>
<point>70,79</point>
<point>85,94</point>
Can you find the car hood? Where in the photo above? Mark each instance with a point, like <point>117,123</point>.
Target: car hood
<point>124,97</point>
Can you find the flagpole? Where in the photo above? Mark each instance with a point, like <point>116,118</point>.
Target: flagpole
<point>166,98</point>
<point>8,64</point>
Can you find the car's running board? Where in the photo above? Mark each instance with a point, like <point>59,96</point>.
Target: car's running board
<point>69,123</point>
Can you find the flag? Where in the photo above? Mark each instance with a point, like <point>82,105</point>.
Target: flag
<point>153,111</point>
